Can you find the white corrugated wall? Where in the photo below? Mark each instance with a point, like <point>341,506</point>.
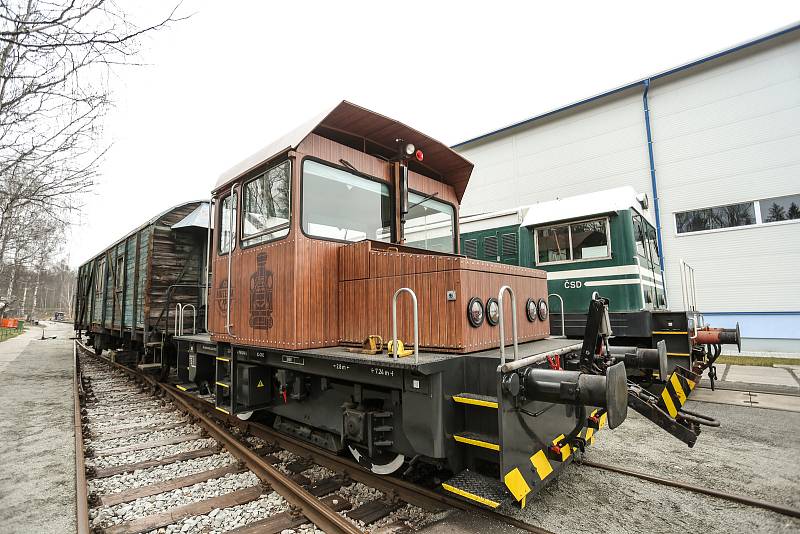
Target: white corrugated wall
<point>725,132</point>
<point>599,145</point>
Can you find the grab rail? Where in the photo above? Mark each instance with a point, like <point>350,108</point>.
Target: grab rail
<point>416,323</point>
<point>563,327</point>
<point>180,310</point>
<point>513,323</point>
<point>231,243</point>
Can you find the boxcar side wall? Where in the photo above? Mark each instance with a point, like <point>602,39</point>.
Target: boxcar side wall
<point>119,288</point>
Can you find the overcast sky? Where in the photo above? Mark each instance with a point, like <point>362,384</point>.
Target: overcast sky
<point>238,74</point>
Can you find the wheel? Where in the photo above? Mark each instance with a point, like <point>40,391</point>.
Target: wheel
<point>244,416</point>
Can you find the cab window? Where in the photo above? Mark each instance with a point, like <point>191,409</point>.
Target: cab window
<point>430,224</point>
<point>653,243</point>
<point>265,206</point>
<point>344,206</point>
<point>578,241</point>
<point>640,237</point>
<point>227,235</point>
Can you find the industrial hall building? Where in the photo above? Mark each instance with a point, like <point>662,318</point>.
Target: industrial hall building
<point>714,144</point>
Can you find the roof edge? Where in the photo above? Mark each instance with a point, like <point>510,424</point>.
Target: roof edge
<point>746,44</point>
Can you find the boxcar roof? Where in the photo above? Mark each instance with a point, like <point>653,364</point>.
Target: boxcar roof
<point>144,225</point>
<point>350,124</point>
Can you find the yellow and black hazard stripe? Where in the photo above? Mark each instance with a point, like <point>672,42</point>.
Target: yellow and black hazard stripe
<point>677,389</point>
<point>541,463</point>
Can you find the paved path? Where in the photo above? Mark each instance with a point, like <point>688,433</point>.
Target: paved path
<point>37,443</point>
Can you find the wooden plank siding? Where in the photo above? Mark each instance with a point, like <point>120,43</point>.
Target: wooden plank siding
<point>365,301</point>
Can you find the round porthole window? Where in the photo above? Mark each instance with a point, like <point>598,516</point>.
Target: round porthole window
<point>542,311</point>
<point>492,312</point>
<point>475,312</point>
<point>530,310</point>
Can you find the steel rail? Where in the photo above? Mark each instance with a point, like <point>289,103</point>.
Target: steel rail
<point>310,506</point>
<point>81,488</point>
<point>742,499</point>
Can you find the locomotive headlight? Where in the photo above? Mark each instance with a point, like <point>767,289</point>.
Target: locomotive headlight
<point>542,311</point>
<point>492,312</point>
<point>409,149</point>
<point>530,310</point>
<point>475,312</point>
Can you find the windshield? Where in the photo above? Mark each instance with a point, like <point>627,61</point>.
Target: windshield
<point>430,224</point>
<point>340,205</point>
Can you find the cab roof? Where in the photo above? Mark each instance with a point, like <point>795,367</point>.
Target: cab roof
<point>366,130</point>
<point>585,205</point>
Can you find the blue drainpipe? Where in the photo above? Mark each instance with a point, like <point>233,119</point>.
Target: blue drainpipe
<point>654,183</point>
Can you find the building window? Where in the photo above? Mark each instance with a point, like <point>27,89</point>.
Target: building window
<point>265,206</point>
<point>780,208</point>
<point>343,206</point>
<point>753,213</point>
<point>579,241</point>
<point>430,224</point>
<point>728,216</point>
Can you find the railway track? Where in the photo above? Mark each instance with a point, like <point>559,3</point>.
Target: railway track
<point>158,460</point>
<point>741,499</point>
<point>224,474</point>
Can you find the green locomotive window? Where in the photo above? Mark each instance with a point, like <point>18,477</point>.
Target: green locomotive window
<point>589,240</point>
<point>553,243</point>
<point>227,234</point>
<point>265,206</point>
<point>344,206</point>
<point>640,236</point>
<point>430,224</point>
<point>578,241</point>
<point>653,242</point>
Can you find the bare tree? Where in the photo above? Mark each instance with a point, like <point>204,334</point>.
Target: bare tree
<point>56,57</point>
<point>55,60</point>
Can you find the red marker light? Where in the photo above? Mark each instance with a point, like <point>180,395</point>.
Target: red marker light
<point>419,155</point>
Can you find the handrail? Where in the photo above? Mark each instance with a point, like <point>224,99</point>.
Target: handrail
<point>563,323</point>
<point>194,317</point>
<point>180,310</point>
<point>231,243</point>
<point>689,294</point>
<point>416,322</point>
<point>513,323</point>
<point>208,261</point>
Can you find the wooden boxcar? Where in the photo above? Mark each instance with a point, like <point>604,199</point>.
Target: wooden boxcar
<point>127,294</point>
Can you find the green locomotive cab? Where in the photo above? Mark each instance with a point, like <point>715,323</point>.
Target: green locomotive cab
<point>599,242</point>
